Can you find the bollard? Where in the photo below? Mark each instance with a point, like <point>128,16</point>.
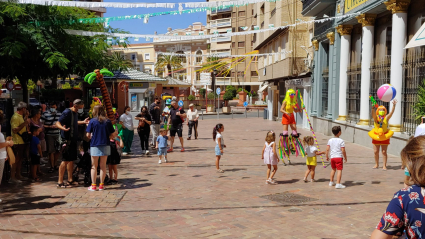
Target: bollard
<point>232,114</point>
<point>202,114</point>
<point>246,116</point>
<point>258,111</point>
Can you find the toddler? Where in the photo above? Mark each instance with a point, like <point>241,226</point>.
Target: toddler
<point>219,145</point>
<point>35,153</point>
<point>270,156</point>
<point>161,145</point>
<point>311,152</point>
<point>336,149</point>
<point>115,157</point>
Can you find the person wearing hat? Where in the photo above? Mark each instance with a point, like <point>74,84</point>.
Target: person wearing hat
<point>68,124</point>
<point>192,121</point>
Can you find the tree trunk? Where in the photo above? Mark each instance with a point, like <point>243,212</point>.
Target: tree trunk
<point>169,70</point>
<point>106,99</point>
<point>24,86</point>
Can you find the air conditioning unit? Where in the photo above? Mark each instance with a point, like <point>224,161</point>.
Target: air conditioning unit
<point>264,71</point>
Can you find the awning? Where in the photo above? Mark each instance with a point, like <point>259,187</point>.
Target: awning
<point>418,39</point>
<point>262,88</point>
<point>137,90</point>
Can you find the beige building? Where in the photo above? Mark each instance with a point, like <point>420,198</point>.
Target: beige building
<point>291,52</point>
<point>195,50</point>
<point>237,19</point>
<point>141,55</point>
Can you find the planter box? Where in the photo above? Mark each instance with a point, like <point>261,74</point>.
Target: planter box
<point>226,109</point>
<point>242,97</point>
<point>198,107</point>
<point>210,109</point>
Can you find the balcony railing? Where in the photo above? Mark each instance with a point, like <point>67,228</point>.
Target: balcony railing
<point>225,22</point>
<point>320,28</point>
<point>273,12</point>
<point>307,3</point>
<point>222,53</point>
<point>262,25</point>
<point>221,39</point>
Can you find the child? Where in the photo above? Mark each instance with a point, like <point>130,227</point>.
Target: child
<point>35,152</point>
<point>218,129</point>
<point>311,152</point>
<point>161,145</point>
<point>270,156</point>
<point>407,181</point>
<point>336,148</point>
<point>115,157</point>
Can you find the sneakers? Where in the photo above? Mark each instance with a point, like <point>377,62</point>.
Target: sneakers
<point>312,180</point>
<point>182,150</point>
<point>147,152</point>
<point>143,151</point>
<point>161,162</point>
<point>165,160</point>
<point>305,180</point>
<point>92,187</point>
<point>169,150</point>
<point>124,153</point>
<point>331,184</point>
<point>101,187</point>
<point>339,186</point>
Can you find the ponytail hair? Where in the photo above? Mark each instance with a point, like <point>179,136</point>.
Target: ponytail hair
<point>216,128</point>
<point>308,140</point>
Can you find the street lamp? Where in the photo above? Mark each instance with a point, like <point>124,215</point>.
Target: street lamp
<point>214,83</point>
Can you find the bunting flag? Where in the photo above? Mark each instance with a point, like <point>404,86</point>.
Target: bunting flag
<point>214,35</point>
<point>215,55</point>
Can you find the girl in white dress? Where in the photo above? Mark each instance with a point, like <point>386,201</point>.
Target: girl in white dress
<point>3,153</point>
<point>270,156</point>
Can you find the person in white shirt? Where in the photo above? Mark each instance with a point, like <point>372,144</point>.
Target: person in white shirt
<point>311,161</point>
<point>126,120</point>
<point>420,130</point>
<point>192,121</point>
<point>336,148</point>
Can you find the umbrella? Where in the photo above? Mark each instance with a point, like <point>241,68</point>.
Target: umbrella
<point>418,39</point>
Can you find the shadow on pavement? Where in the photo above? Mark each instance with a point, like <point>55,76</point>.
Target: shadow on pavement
<point>61,234</point>
<point>351,183</point>
<point>30,203</point>
<point>288,181</point>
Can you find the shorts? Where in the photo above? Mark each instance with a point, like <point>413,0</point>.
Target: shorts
<point>70,152</point>
<point>288,119</point>
<point>20,151</point>
<point>336,163</point>
<point>43,145</point>
<point>385,142</point>
<point>311,161</point>
<point>176,129</point>
<point>162,151</point>
<point>50,143</point>
<point>406,172</point>
<point>104,150</point>
<point>35,159</point>
<point>217,151</point>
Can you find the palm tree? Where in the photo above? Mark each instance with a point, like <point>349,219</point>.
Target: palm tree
<point>217,63</point>
<point>167,62</point>
<point>119,63</point>
<point>98,76</point>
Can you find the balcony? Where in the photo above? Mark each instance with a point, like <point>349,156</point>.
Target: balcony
<point>224,22</point>
<point>222,53</point>
<point>221,39</point>
<point>312,7</point>
<point>323,27</point>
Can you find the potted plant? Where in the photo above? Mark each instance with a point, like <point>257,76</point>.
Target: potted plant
<point>191,98</point>
<point>242,96</point>
<point>202,92</point>
<point>210,96</point>
<point>226,97</point>
<point>198,106</point>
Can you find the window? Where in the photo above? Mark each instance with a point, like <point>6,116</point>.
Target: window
<point>254,73</point>
<point>133,57</point>
<point>284,40</point>
<point>241,74</point>
<point>241,44</point>
<point>271,56</point>
<point>310,33</point>
<point>241,14</point>
<point>233,74</point>
<point>182,58</point>
<point>233,44</point>
<point>252,43</point>
<point>199,56</point>
<point>252,12</point>
<point>198,76</point>
<point>388,40</point>
<point>147,56</point>
<point>233,29</point>
<point>276,50</point>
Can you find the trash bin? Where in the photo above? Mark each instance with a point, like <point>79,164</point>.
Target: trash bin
<point>266,113</point>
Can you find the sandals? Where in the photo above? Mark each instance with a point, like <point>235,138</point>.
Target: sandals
<point>35,180</point>
<point>62,186</point>
<point>220,171</point>
<point>72,183</point>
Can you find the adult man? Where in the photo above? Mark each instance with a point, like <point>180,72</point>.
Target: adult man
<point>18,123</point>
<point>420,130</point>
<point>192,121</point>
<point>50,117</point>
<point>176,119</point>
<point>155,111</point>
<point>68,124</point>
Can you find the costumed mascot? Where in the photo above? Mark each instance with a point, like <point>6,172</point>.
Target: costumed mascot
<point>290,143</point>
<point>381,133</point>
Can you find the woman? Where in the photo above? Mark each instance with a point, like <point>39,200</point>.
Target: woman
<point>381,133</point>
<point>143,129</point>
<point>99,130</point>
<point>35,121</point>
<point>126,120</point>
<point>3,153</point>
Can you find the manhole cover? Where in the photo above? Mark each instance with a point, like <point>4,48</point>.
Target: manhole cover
<point>287,197</point>
<point>92,199</point>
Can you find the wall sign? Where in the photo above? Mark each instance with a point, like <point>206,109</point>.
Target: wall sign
<point>139,85</point>
<point>351,4</point>
<point>304,82</point>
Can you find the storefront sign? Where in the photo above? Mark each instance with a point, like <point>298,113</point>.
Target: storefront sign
<point>139,85</point>
<point>351,4</point>
<point>303,82</point>
<point>152,85</point>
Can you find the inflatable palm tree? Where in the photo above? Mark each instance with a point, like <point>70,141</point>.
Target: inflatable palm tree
<point>98,76</point>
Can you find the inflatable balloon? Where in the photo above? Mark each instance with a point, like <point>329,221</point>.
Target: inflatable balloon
<point>386,92</point>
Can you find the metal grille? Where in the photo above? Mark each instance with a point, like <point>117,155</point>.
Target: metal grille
<point>288,198</point>
<point>414,74</point>
<point>353,92</point>
<point>380,73</point>
<point>325,84</point>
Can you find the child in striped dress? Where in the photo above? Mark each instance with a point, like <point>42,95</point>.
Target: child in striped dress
<point>270,156</point>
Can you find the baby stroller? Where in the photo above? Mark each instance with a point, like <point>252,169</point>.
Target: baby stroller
<point>83,167</point>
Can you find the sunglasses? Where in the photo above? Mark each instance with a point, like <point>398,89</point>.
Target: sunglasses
<point>292,94</point>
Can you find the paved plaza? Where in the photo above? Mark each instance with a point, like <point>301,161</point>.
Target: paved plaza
<point>186,198</point>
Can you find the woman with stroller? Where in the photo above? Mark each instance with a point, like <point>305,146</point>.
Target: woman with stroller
<point>99,131</point>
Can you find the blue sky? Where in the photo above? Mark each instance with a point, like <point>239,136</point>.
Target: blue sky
<point>159,23</point>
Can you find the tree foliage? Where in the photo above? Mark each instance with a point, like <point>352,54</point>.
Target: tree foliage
<point>168,62</point>
<point>419,107</point>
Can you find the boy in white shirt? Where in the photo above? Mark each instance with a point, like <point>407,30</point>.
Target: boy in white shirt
<point>336,148</point>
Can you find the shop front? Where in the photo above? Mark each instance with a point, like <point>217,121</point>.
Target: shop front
<point>140,94</point>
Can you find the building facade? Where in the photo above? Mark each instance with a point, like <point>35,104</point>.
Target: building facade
<point>141,55</point>
<point>355,55</point>
<point>290,49</point>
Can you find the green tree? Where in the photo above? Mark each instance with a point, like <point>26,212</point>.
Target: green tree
<point>168,62</point>
<point>66,86</point>
<point>419,107</point>
<point>119,63</point>
<point>29,50</point>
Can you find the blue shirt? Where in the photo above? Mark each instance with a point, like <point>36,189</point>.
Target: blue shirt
<point>65,119</point>
<point>33,145</point>
<point>100,132</point>
<point>405,212</point>
<point>162,141</point>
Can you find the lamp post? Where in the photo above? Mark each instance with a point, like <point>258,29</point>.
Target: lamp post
<point>214,83</point>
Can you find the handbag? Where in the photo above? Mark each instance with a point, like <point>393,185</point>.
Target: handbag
<point>26,137</point>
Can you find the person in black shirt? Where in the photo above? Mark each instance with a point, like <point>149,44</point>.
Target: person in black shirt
<point>176,120</point>
<point>155,111</point>
<point>143,129</point>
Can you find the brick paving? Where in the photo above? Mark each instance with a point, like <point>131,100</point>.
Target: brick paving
<point>186,198</point>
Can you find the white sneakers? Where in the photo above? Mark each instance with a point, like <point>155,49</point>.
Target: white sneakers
<point>124,153</point>
<point>147,152</point>
<point>165,160</point>
<point>160,161</point>
<point>338,186</point>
